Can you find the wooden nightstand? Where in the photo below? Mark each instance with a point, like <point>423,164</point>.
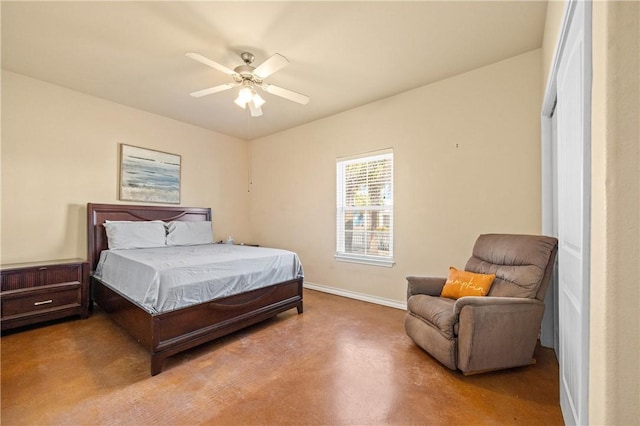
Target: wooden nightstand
<point>40,291</point>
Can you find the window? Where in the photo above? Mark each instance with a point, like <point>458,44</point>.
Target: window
<point>364,216</point>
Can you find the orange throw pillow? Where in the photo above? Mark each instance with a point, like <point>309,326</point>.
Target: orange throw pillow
<point>463,283</point>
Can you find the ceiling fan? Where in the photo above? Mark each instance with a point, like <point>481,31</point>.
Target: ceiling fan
<point>249,78</point>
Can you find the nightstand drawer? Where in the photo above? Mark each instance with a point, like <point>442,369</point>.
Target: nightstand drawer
<point>25,302</point>
<point>40,276</point>
<point>13,280</point>
<point>62,274</point>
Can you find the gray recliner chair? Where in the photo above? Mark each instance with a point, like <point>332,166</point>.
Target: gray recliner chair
<point>476,334</point>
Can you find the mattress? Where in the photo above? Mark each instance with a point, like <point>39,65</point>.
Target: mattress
<point>167,278</point>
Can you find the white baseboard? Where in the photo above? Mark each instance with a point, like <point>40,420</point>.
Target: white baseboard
<point>358,296</point>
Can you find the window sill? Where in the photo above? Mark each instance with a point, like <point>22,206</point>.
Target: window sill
<point>365,260</point>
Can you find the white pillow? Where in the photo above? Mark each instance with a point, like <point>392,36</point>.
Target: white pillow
<point>129,235</point>
<point>189,233</point>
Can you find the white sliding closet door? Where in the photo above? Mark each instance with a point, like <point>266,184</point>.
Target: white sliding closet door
<point>573,112</point>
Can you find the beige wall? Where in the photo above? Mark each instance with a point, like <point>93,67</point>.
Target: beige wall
<point>552,25</point>
<point>445,195</point>
<point>614,389</point>
<point>60,151</point>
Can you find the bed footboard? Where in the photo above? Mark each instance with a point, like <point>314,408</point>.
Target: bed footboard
<point>169,333</point>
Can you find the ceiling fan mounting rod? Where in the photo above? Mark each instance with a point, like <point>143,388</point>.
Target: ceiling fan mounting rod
<point>247,57</point>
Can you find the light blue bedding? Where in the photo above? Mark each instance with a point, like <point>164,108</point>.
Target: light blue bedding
<point>167,278</point>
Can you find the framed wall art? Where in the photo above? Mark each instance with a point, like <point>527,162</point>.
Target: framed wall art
<point>149,176</point>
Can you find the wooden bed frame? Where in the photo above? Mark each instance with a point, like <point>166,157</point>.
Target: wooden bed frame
<point>169,333</point>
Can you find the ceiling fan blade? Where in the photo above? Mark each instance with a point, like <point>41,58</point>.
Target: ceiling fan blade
<point>275,63</point>
<point>256,111</point>
<point>287,94</point>
<point>210,90</point>
<point>198,57</point>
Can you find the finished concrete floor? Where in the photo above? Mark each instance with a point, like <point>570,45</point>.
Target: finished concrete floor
<point>342,362</point>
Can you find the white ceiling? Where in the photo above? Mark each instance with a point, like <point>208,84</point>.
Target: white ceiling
<point>342,54</point>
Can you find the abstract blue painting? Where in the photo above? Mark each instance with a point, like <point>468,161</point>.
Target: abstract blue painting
<point>149,176</point>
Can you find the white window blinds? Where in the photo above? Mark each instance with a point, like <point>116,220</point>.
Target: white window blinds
<point>364,217</point>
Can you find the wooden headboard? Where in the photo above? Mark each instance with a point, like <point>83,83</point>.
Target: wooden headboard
<point>98,213</point>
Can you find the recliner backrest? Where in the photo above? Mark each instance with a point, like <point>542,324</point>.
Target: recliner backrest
<point>522,263</point>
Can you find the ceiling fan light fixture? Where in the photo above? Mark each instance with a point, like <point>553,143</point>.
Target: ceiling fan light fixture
<point>257,100</point>
<point>244,96</point>
<point>255,110</point>
<point>240,103</point>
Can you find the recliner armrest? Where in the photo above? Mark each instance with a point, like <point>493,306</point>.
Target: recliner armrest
<point>496,332</point>
<point>492,301</point>
<point>430,286</point>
